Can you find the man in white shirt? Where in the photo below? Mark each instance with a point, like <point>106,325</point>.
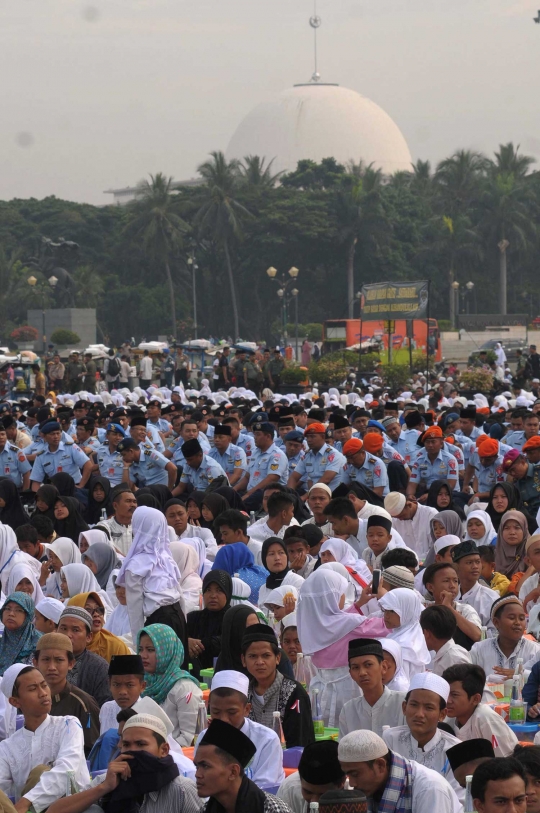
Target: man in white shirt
<point>499,655</point>
<point>441,582</point>
<point>378,706</point>
<point>469,717</point>
<point>529,592</point>
<point>42,753</point>
<point>318,772</point>
<point>502,784</point>
<point>420,739</point>
<point>232,526</point>
<point>118,527</point>
<point>280,514</point>
<point>439,627</point>
<point>228,702</point>
<point>145,370</point>
<point>395,782</point>
<point>412,521</point>
<point>469,568</point>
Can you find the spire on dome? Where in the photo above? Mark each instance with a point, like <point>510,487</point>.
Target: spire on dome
<point>315,22</point>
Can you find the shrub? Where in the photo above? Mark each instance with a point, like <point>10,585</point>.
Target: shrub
<point>62,336</point>
<point>476,378</point>
<point>445,324</point>
<point>396,375</point>
<point>25,333</point>
<point>294,374</point>
<point>328,371</point>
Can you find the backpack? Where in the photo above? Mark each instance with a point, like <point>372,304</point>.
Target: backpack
<point>114,368</point>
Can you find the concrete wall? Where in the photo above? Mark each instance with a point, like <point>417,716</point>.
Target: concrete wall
<point>81,321</point>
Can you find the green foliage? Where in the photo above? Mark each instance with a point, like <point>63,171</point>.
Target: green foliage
<point>445,324</point>
<point>25,333</point>
<point>312,330</point>
<point>479,379</point>
<point>396,375</point>
<point>474,359</point>
<point>330,371</point>
<point>294,374</point>
<point>63,337</point>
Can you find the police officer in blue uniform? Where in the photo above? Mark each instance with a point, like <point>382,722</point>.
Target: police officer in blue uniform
<point>85,429</point>
<point>58,456</point>
<point>13,462</point>
<point>294,449</point>
<point>230,457</point>
<point>321,464</point>
<point>145,466</point>
<point>199,470</point>
<point>153,414</point>
<point>363,467</point>
<point>267,465</point>
<point>109,459</point>
<point>433,463</point>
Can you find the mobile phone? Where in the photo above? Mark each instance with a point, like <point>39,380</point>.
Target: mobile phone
<point>376,581</point>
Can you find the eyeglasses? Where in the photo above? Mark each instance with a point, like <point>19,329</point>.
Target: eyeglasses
<point>94,610</point>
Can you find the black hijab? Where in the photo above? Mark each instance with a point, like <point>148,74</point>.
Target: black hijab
<point>13,513</point>
<point>398,479</point>
<point>361,491</point>
<point>217,505</point>
<point>198,497</point>
<point>274,579</point>
<point>146,499</point>
<point>93,510</point>
<point>232,630</point>
<point>65,484</point>
<point>514,503</point>
<point>47,494</point>
<point>73,524</point>
<point>232,497</point>
<point>433,492</point>
<point>161,493</point>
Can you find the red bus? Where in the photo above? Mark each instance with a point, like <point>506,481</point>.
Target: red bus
<point>341,333</point>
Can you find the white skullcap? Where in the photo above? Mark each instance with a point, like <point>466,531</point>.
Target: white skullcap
<point>323,487</point>
<point>431,682</point>
<point>289,620</point>
<point>10,676</point>
<point>361,746</point>
<point>394,503</point>
<point>148,707</point>
<point>51,608</point>
<point>230,679</point>
<point>147,721</point>
<point>445,541</point>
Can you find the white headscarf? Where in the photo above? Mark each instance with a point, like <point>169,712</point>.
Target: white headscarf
<point>150,555</point>
<point>10,555</point>
<point>80,579</point>
<point>409,634</point>
<point>400,681</point>
<point>68,553</point>
<point>294,579</point>
<point>485,519</point>
<point>198,545</point>
<point>343,552</point>
<point>277,595</point>
<point>500,354</point>
<point>94,536</point>
<point>188,564</point>
<point>320,621</point>
<point>20,571</point>
<point>118,621</point>
<point>353,588</point>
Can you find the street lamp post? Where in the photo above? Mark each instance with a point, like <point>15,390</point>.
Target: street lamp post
<point>284,283</point>
<point>455,289</point>
<point>194,268</point>
<point>470,287</point>
<point>41,287</point>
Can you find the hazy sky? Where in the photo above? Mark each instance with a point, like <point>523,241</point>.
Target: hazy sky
<point>98,93</point>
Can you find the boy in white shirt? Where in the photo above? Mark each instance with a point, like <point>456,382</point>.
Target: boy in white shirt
<point>439,627</point>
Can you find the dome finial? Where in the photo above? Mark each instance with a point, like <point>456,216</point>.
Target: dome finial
<point>315,22</point>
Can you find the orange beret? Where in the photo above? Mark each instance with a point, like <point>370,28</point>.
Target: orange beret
<point>480,439</point>
<point>450,439</point>
<point>352,446</point>
<point>433,432</point>
<point>532,443</point>
<point>483,410</point>
<point>373,442</point>
<point>488,447</point>
<point>318,428</point>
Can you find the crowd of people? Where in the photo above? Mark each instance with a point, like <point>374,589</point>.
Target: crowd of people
<point>366,561</point>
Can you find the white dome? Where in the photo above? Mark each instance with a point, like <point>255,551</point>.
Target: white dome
<point>319,121</point>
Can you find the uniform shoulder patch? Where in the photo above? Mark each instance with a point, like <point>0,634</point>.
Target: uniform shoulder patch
<point>147,452</point>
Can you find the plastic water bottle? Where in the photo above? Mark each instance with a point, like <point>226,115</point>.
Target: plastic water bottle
<point>516,712</point>
<point>519,672</point>
<point>202,720</point>
<point>103,514</point>
<point>468,807</point>
<point>252,519</point>
<point>278,728</point>
<point>316,713</point>
<point>299,670</point>
<point>483,633</point>
<point>313,807</point>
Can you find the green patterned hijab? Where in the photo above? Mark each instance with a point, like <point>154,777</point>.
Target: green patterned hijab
<point>169,659</point>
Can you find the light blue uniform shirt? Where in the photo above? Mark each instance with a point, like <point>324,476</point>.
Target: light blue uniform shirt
<point>444,467</point>
<point>247,443</point>
<point>315,464</point>
<point>176,449</point>
<point>13,464</point>
<point>261,464</point>
<point>233,460</point>
<point>372,473</point>
<point>406,444</point>
<point>68,458</point>
<point>161,425</point>
<point>488,476</point>
<point>154,437</point>
<point>110,464</point>
<point>150,470</point>
<point>201,478</point>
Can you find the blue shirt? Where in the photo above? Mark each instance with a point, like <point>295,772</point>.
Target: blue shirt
<point>161,425</point>
<point>261,464</point>
<point>515,440</point>
<point>68,457</point>
<point>444,467</point>
<point>150,470</point>
<point>247,443</point>
<point>372,473</point>
<point>201,478</point>
<point>406,444</point>
<point>110,464</point>
<point>176,449</point>
<point>13,464</point>
<point>234,459</point>
<point>155,437</point>
<point>488,476</point>
<point>315,464</point>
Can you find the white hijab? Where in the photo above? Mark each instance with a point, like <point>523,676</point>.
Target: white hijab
<point>485,519</point>
<point>353,588</point>
<point>150,555</point>
<point>118,621</point>
<point>80,579</point>
<point>94,536</point>
<point>409,634</point>
<point>343,552</point>
<point>199,547</point>
<point>320,621</point>
<point>68,553</point>
<point>22,570</point>
<point>10,555</point>
<point>400,681</point>
<point>188,564</point>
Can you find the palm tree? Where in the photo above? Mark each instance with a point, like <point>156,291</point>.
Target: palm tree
<point>154,222</point>
<point>360,216</point>
<point>508,159</point>
<point>256,174</point>
<point>457,180</point>
<point>221,216</point>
